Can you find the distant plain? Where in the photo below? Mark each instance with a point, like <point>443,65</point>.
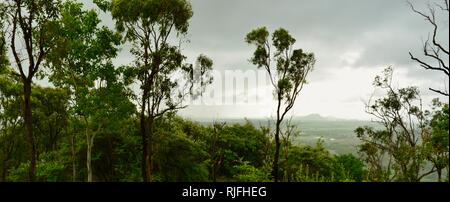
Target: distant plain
<point>338,134</point>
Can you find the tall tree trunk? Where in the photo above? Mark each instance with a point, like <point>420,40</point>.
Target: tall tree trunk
<point>277,140</point>
<point>144,138</point>
<point>286,157</point>
<point>90,144</point>
<point>29,129</point>
<point>74,168</point>
<point>4,170</point>
<point>214,172</point>
<point>150,150</point>
<point>448,174</point>
<point>277,152</point>
<point>439,172</point>
<point>88,159</point>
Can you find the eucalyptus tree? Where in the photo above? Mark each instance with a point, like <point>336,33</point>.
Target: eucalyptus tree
<point>398,151</point>
<point>436,142</point>
<point>155,29</point>
<point>31,37</point>
<point>287,69</point>
<point>82,64</point>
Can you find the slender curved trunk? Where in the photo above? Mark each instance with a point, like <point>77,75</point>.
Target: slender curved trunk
<point>74,168</point>
<point>277,152</point>
<point>277,142</point>
<point>90,144</point>
<point>88,155</point>
<point>149,124</point>
<point>89,159</point>
<point>29,129</point>
<point>286,157</point>
<point>144,138</point>
<point>439,172</point>
<point>150,150</point>
<point>143,120</point>
<point>4,170</point>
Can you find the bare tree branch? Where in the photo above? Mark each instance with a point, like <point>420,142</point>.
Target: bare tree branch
<point>432,20</point>
<point>440,92</point>
<point>433,49</point>
<point>13,47</point>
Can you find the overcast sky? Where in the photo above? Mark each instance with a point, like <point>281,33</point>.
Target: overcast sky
<point>353,41</point>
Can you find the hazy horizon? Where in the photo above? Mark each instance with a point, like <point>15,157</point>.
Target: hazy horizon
<point>313,116</point>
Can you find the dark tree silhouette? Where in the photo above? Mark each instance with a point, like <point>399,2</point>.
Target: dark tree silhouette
<point>435,51</point>
<point>287,76</point>
<point>31,25</point>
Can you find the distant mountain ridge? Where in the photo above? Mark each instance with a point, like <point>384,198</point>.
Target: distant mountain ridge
<point>314,117</point>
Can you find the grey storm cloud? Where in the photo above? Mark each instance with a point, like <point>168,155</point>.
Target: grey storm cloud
<point>383,31</point>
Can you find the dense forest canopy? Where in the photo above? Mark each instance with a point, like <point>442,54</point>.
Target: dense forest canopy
<point>91,125</point>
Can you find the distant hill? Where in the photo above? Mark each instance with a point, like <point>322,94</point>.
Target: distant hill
<point>318,117</point>
<point>313,117</point>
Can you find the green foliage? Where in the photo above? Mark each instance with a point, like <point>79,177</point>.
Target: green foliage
<point>248,173</point>
<point>178,157</point>
<point>292,66</point>
<point>104,5</point>
<point>50,109</point>
<point>116,152</point>
<point>3,58</point>
<point>200,76</point>
<point>259,37</point>
<point>282,40</point>
<point>308,160</point>
<point>168,14</point>
<point>440,126</point>
<point>398,152</point>
<point>348,167</point>
<point>82,64</point>
<point>84,50</point>
<point>437,142</point>
<point>51,168</point>
<point>230,145</point>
